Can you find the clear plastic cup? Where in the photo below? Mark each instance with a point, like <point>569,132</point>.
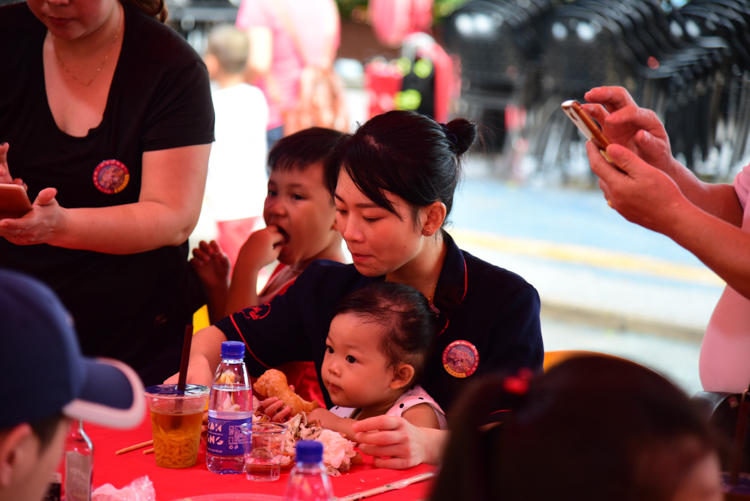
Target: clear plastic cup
<point>176,419</point>
<point>264,456</point>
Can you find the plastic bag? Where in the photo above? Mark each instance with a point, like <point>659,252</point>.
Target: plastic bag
<point>140,489</point>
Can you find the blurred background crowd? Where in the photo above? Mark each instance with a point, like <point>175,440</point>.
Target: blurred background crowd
<point>509,64</point>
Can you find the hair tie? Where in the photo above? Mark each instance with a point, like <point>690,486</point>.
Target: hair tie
<point>518,384</point>
<point>450,136</point>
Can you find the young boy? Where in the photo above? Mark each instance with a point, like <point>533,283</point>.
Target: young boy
<point>236,181</point>
<point>46,383</point>
<point>299,213</point>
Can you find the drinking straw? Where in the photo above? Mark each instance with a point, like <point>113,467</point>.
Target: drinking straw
<point>134,447</point>
<point>740,433</point>
<point>188,338</point>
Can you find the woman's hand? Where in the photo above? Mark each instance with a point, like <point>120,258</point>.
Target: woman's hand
<point>627,124</point>
<point>40,225</point>
<point>396,443</point>
<point>5,177</point>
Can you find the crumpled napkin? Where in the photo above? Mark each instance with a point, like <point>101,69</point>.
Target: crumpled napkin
<point>140,489</point>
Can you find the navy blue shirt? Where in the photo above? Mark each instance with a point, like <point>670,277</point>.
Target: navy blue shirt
<point>489,318</point>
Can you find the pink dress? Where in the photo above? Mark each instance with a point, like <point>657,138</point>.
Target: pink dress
<point>316,26</point>
<point>725,352</point>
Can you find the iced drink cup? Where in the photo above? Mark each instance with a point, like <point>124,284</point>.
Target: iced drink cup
<point>176,419</point>
<point>263,456</point>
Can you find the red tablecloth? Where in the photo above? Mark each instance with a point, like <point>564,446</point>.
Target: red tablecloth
<point>171,484</point>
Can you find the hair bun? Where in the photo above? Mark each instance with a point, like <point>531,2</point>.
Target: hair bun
<point>461,133</point>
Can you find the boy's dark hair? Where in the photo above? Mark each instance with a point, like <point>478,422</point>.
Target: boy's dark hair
<point>409,321</point>
<point>405,153</point>
<point>304,148</point>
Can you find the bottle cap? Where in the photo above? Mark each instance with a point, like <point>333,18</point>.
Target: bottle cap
<point>232,349</point>
<point>309,451</point>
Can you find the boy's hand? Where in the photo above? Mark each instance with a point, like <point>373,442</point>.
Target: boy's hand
<point>211,265</point>
<point>261,248</point>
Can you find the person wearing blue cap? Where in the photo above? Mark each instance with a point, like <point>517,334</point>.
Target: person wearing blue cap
<point>46,383</point>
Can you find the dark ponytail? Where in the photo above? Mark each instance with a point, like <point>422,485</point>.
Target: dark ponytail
<point>153,8</point>
<point>461,133</point>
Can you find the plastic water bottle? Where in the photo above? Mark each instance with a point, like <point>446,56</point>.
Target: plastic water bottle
<point>230,406</point>
<point>308,480</point>
<point>79,464</point>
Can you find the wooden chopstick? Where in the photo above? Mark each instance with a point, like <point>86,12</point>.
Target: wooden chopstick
<point>149,451</point>
<point>134,447</point>
<point>398,484</point>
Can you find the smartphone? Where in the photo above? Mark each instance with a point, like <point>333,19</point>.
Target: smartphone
<point>585,123</point>
<point>14,202</point>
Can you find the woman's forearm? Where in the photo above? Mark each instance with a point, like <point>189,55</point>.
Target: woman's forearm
<point>121,229</point>
<point>206,344</point>
<point>166,211</point>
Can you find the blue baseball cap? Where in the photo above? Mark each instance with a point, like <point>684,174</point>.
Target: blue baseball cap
<point>43,370</point>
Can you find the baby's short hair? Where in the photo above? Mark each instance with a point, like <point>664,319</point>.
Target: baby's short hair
<point>408,320</point>
<point>230,46</point>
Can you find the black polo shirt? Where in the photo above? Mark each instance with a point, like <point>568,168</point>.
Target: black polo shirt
<point>490,319</point>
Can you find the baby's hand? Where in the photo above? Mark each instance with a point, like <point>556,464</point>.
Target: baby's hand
<point>276,410</point>
<point>211,265</point>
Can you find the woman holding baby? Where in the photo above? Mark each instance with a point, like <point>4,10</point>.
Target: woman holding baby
<point>393,191</point>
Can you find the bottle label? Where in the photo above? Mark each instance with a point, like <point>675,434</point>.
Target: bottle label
<point>78,470</point>
<point>225,437</point>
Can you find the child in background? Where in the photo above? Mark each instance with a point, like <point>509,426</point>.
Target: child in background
<point>236,181</point>
<point>376,349</point>
<point>299,213</point>
<point>591,428</point>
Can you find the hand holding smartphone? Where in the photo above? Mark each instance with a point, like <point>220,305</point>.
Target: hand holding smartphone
<point>14,202</point>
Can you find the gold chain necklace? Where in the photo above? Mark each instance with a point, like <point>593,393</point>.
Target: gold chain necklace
<point>73,76</point>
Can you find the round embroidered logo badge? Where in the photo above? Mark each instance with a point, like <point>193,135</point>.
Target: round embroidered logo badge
<point>111,176</point>
<point>460,358</point>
